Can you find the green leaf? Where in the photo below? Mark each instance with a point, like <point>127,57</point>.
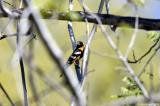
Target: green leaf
<point>131,88</point>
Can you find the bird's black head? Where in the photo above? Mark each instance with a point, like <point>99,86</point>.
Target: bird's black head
<point>79,44</point>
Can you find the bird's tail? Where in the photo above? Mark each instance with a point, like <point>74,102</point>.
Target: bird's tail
<point>65,67</point>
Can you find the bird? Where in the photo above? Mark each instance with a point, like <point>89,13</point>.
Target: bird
<point>76,55</point>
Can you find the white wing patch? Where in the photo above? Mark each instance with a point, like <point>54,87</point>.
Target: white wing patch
<point>73,57</point>
<point>77,53</point>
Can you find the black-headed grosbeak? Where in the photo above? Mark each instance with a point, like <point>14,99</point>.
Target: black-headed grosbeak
<point>76,55</point>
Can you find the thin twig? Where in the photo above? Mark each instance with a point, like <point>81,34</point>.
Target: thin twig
<point>47,81</point>
<point>6,94</point>
<point>31,76</point>
<point>51,84</point>
<point>145,54</point>
<point>107,6</point>
<point>142,70</point>
<point>3,36</point>
<point>9,4</point>
<point>20,54</point>
<point>87,48</point>
<point>56,54</point>
<point>6,12</point>
<point>119,54</point>
<point>6,25</point>
<point>91,35</point>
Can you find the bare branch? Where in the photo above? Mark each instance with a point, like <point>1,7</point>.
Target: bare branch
<point>6,12</point>
<point>119,54</point>
<point>77,87</point>
<point>56,54</point>
<point>41,94</point>
<point>3,36</point>
<point>106,19</point>
<point>132,41</point>
<point>51,84</point>
<point>91,35</point>
<point>155,98</point>
<point>145,54</point>
<point>73,41</point>
<point>20,54</point>
<point>142,70</point>
<point>109,19</point>
<point>107,6</point>
<point>31,76</point>
<point>6,94</point>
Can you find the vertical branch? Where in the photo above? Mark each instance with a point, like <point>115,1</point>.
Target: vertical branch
<point>56,54</point>
<point>87,51</point>
<point>20,54</point>
<point>21,4</point>
<point>132,41</point>
<point>71,33</point>
<point>31,76</point>
<point>107,6</point>
<point>21,67</point>
<point>23,81</point>
<point>119,54</point>
<point>73,41</point>
<point>113,27</point>
<point>6,94</point>
<point>91,35</point>
<point>87,27</point>
<point>70,29</point>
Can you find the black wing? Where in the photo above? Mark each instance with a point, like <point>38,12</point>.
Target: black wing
<point>76,55</point>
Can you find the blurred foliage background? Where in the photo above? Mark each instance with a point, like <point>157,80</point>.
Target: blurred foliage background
<point>108,72</point>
